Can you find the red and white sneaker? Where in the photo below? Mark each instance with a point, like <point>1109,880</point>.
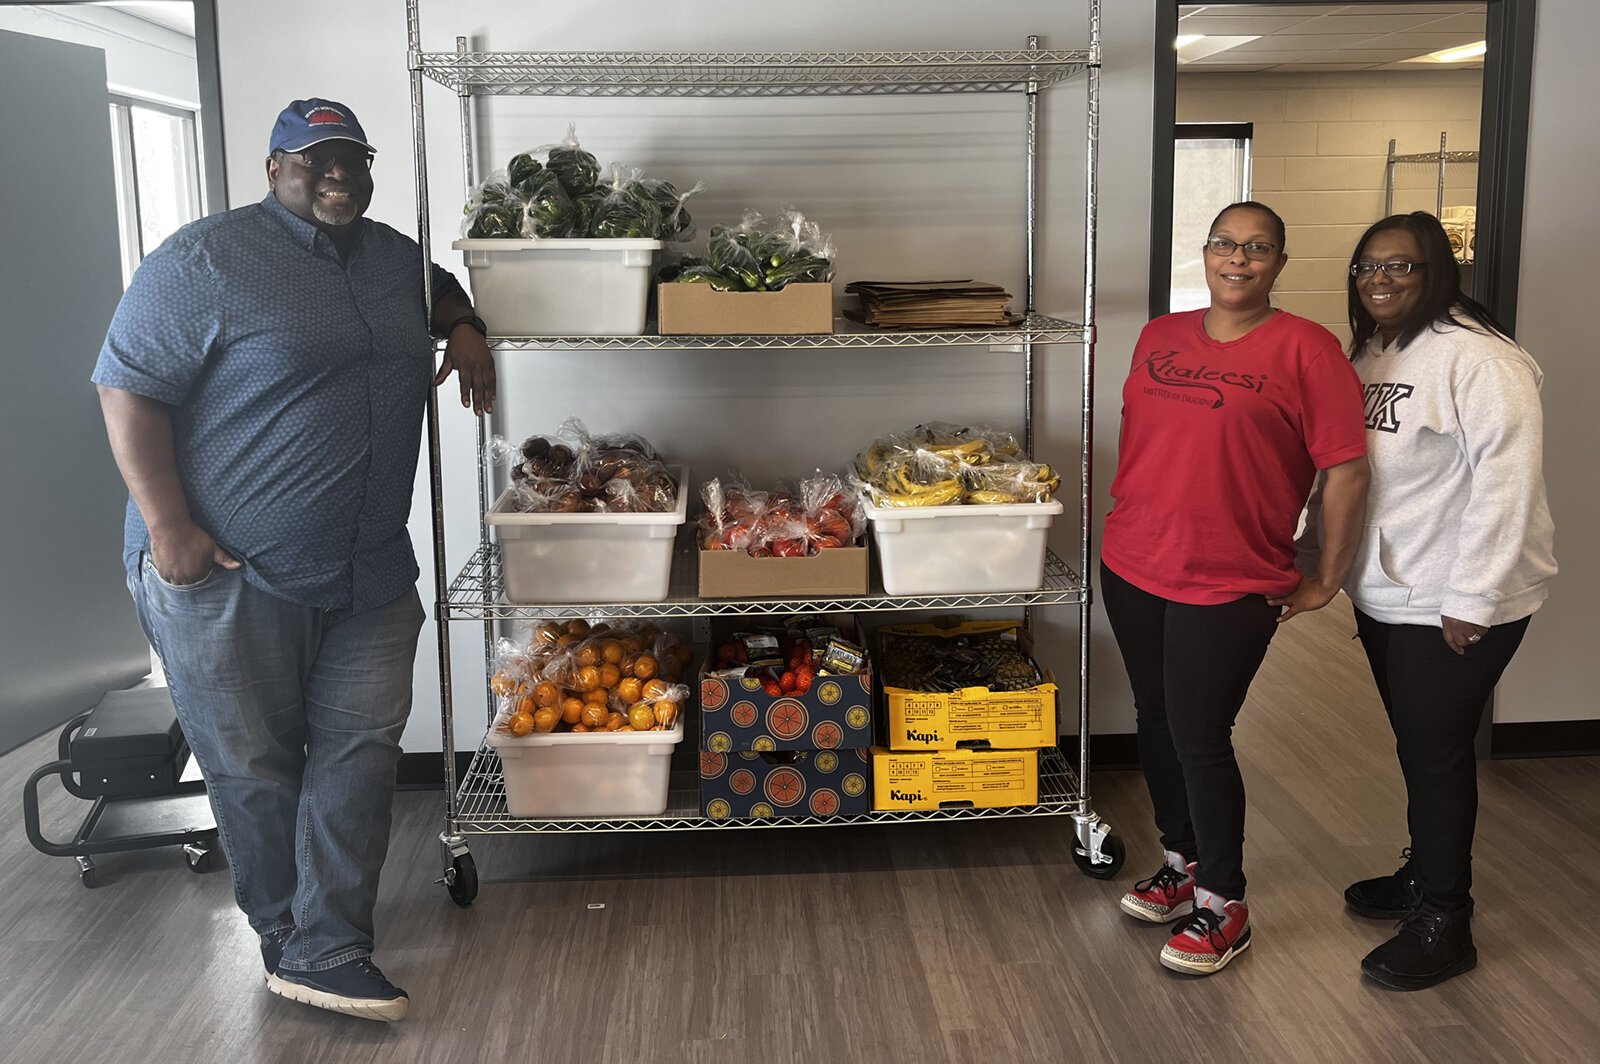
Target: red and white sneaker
<point>1164,897</point>
<point>1208,940</point>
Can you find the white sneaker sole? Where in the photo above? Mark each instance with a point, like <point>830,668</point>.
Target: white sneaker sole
<point>388,1010</point>
<point>1133,909</point>
<point>1177,962</point>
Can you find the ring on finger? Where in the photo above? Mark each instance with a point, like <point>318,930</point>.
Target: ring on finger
<point>1474,637</point>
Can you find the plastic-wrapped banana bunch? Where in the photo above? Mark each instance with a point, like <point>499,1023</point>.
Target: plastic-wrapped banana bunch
<point>1002,483</point>
<point>915,478</point>
<point>965,445</point>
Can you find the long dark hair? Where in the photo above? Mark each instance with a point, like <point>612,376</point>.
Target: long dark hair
<point>1443,304</point>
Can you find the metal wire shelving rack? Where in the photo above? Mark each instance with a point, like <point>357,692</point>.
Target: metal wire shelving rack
<point>475,804</point>
<point>1442,159</point>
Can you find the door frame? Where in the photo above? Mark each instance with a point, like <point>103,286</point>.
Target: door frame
<point>1502,148</point>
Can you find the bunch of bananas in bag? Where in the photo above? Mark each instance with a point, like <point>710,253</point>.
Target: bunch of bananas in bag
<point>940,464</point>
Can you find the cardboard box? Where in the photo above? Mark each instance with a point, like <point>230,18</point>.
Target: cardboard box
<point>974,717</point>
<point>951,779</point>
<point>818,783</point>
<point>700,310</point>
<point>736,714</point>
<point>836,571</point>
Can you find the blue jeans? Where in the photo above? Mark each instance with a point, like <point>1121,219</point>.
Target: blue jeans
<point>294,714</point>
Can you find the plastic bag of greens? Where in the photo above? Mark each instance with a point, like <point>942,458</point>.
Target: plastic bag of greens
<point>629,209</point>
<point>800,252</point>
<point>521,170</point>
<point>729,258</point>
<point>577,170</point>
<point>549,213</point>
<point>676,222</point>
<point>494,209</point>
<point>584,207</point>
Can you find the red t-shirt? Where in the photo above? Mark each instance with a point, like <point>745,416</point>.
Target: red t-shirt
<point>1220,445</point>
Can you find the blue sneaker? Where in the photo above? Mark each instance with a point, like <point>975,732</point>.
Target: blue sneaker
<point>272,945</point>
<point>355,988</point>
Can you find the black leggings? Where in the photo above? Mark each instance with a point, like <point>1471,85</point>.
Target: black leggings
<point>1190,667</point>
<point>1435,699</point>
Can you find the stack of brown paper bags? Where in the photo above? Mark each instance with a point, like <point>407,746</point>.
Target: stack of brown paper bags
<point>930,304</point>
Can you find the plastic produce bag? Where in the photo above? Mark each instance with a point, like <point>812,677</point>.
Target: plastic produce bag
<point>577,170</point>
<point>549,213</point>
<point>521,170</point>
<point>493,210</point>
<point>629,210</point>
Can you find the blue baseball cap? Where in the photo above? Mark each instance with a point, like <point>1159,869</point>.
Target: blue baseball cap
<point>307,122</point>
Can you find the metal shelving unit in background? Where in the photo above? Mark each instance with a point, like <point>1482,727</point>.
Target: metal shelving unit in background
<point>1442,159</point>
<point>476,804</point>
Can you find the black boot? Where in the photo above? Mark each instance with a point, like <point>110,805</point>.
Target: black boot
<point>1387,897</point>
<point>1434,944</point>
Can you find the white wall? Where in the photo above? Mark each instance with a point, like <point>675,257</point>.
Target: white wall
<point>1551,677</point>
<point>1318,158</point>
<point>908,187</point>
<point>142,59</point>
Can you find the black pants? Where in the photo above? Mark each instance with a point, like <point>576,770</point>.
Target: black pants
<point>1190,667</point>
<point>1435,699</point>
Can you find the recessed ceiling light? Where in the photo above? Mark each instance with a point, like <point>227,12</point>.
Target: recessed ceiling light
<point>1455,55</point>
<point>1186,39</point>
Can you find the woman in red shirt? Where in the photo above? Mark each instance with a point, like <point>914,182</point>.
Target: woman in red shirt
<point>1227,415</point>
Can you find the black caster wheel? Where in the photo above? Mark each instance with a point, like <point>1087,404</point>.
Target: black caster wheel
<point>199,859</point>
<point>1111,848</point>
<point>87,877</point>
<point>463,883</point>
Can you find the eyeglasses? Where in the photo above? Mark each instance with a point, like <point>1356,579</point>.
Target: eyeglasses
<point>1393,269</point>
<point>1221,245</point>
<point>322,160</point>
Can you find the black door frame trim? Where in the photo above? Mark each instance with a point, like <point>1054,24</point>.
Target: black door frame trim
<point>213,166</point>
<point>1502,143</point>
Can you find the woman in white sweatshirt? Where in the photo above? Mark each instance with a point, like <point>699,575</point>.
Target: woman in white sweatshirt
<point>1454,560</point>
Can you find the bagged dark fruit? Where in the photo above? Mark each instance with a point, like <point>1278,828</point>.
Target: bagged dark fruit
<point>577,170</point>
<point>550,213</point>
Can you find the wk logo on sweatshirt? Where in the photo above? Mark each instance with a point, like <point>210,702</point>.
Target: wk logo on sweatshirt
<point>1201,385</point>
<point>1383,402</point>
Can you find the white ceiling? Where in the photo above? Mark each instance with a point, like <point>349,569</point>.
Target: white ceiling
<point>1314,37</point>
<point>175,15</point>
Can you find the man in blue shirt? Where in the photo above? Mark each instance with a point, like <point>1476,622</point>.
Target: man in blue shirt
<point>263,385</point>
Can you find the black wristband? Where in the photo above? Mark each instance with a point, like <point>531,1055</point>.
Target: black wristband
<point>466,319</point>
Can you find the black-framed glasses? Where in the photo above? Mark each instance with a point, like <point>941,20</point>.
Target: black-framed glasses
<point>1393,269</point>
<point>321,160</point>
<point>1256,250</point>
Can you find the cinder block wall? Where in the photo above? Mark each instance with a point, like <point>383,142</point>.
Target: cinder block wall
<point>1318,158</point>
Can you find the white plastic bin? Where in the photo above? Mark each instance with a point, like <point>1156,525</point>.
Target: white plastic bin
<point>587,774</point>
<point>588,557</point>
<point>957,550</point>
<point>560,287</point>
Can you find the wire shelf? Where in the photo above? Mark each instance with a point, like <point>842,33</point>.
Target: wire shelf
<point>482,806</point>
<point>1435,158</point>
<point>740,74</point>
<point>1035,329</point>
<point>468,601</point>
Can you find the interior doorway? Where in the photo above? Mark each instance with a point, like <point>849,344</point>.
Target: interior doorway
<point>1354,111</point>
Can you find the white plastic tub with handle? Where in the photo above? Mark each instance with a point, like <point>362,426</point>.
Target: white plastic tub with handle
<point>560,287</point>
<point>549,557</point>
<point>959,550</point>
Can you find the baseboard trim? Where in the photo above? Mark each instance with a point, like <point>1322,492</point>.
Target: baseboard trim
<point>1105,751</point>
<point>1547,738</point>
<point>425,772</point>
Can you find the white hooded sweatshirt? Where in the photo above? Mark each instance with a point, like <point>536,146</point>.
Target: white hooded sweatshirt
<point>1457,523</point>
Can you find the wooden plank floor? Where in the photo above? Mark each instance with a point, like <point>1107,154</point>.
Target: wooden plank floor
<point>976,942</point>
